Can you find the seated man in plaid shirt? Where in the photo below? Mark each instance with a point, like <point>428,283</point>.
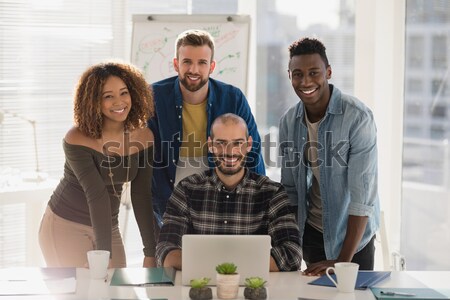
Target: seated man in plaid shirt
<point>230,199</point>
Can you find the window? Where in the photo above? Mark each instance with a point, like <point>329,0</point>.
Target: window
<point>414,86</point>
<point>439,111</point>
<point>44,47</point>
<point>415,58</point>
<point>439,89</point>
<point>440,50</point>
<point>414,109</point>
<point>426,156</point>
<point>438,132</point>
<point>413,130</point>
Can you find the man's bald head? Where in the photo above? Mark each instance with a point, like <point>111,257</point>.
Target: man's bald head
<point>228,118</point>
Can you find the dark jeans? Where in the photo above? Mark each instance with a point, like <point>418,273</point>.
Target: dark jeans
<point>313,249</point>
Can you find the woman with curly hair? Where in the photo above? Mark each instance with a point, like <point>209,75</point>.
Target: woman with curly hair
<point>108,147</point>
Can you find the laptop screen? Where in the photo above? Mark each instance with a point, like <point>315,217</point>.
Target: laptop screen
<point>202,253</point>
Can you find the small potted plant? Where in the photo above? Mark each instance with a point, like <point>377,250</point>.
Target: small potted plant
<point>199,290</point>
<point>227,280</point>
<point>254,288</point>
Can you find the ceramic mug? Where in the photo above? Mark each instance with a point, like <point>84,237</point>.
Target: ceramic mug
<point>346,274</point>
<point>98,263</point>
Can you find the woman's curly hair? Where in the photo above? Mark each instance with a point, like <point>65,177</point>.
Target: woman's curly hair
<point>88,97</point>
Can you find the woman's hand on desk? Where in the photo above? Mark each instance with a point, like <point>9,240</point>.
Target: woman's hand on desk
<point>319,268</point>
<point>149,262</point>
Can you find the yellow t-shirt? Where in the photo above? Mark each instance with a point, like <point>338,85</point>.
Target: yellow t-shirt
<point>194,120</point>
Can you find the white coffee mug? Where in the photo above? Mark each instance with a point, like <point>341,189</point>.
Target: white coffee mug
<point>346,274</point>
<point>98,263</point>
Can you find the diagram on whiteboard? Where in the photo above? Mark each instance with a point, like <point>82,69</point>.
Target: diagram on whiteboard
<point>153,47</point>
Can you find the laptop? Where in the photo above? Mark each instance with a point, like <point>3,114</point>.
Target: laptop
<point>202,253</point>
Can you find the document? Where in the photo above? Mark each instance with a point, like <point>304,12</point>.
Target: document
<point>410,293</point>
<point>143,277</point>
<point>364,280</point>
<point>37,281</point>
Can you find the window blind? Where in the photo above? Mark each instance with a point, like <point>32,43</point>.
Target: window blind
<point>45,46</point>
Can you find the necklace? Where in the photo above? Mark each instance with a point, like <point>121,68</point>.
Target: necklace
<point>111,174</point>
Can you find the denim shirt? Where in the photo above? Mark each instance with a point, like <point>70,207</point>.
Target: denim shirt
<point>166,126</point>
<point>347,156</point>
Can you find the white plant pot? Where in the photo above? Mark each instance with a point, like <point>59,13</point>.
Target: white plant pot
<point>227,286</point>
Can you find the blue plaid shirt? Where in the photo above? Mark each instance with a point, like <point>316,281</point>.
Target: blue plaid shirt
<point>200,204</point>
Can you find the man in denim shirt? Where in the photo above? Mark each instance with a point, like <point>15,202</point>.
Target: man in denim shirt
<point>329,164</point>
<point>185,106</point>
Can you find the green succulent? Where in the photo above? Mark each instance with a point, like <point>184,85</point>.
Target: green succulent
<point>226,268</point>
<point>200,282</point>
<point>254,282</point>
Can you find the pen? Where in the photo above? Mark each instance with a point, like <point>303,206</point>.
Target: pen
<point>153,284</point>
<point>148,284</point>
<point>15,280</point>
<point>388,293</point>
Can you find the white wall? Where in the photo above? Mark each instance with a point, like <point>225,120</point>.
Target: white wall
<point>379,73</point>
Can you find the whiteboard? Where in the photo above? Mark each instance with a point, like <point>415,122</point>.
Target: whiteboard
<point>154,36</point>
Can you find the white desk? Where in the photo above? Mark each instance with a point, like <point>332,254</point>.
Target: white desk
<point>283,286</point>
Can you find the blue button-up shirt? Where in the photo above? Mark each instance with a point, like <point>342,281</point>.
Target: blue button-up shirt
<point>347,158</point>
<point>166,126</point>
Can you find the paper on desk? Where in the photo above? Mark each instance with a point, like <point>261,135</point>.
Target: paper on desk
<point>37,281</point>
<point>37,287</point>
<point>30,273</point>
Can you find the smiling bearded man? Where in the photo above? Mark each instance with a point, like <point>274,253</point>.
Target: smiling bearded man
<point>230,199</point>
<point>229,146</point>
